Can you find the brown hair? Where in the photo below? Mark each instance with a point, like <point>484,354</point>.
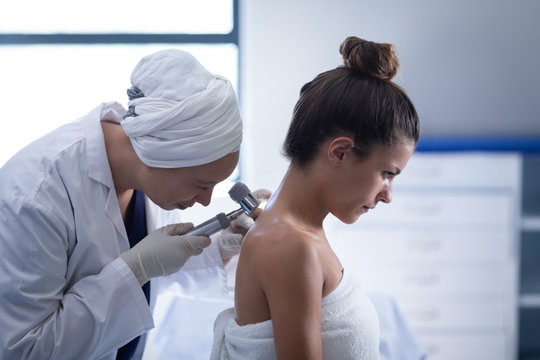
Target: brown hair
<point>357,99</point>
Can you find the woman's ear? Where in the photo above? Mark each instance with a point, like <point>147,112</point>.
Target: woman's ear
<point>338,148</point>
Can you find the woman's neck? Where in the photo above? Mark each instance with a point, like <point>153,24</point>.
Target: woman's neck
<point>299,197</point>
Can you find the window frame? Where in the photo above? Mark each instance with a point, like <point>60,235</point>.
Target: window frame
<point>126,38</point>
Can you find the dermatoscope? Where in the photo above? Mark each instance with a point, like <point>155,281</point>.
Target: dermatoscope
<point>243,196</point>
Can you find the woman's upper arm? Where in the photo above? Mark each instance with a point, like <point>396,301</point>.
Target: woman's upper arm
<point>292,281</point>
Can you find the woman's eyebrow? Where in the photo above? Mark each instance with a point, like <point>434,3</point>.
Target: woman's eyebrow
<point>397,171</point>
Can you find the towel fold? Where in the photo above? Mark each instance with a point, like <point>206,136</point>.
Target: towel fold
<point>350,329</point>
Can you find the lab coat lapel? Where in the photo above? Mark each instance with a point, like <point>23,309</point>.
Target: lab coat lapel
<point>98,164</point>
<point>113,212</point>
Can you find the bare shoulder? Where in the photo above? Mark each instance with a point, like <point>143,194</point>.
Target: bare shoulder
<point>279,272</point>
<point>278,238</point>
<point>279,247</point>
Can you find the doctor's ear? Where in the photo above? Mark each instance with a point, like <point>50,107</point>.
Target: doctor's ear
<point>339,148</point>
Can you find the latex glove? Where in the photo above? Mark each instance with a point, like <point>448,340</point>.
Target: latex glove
<point>242,224</point>
<point>230,240</point>
<point>164,251</point>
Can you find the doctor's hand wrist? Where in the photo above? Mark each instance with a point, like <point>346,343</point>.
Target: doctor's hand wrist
<point>164,251</point>
<point>230,240</point>
<point>229,243</point>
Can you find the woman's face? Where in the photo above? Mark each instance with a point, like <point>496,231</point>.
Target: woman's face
<point>363,184</point>
<point>183,187</point>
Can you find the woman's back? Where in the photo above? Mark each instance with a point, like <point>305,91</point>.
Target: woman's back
<point>279,252</point>
<point>287,271</point>
<point>293,299</point>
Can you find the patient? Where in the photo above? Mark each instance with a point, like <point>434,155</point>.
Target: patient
<point>353,131</point>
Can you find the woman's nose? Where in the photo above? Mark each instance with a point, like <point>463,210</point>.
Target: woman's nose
<point>386,194</point>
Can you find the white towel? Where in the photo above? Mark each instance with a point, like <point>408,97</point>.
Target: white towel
<point>350,329</point>
<point>185,117</point>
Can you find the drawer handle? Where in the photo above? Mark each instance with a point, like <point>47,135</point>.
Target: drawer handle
<point>424,280</point>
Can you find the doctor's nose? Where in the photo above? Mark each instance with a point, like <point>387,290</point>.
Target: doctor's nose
<point>204,197</point>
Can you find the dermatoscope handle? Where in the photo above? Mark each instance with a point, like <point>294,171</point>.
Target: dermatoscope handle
<point>207,228</point>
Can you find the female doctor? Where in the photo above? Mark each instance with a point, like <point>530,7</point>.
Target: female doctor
<point>78,213</point>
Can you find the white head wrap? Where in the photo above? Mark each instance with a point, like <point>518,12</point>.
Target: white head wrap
<point>185,117</point>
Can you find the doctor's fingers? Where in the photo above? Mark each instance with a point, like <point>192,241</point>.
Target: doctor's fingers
<point>194,244</point>
<point>177,229</point>
<point>241,224</point>
<point>262,194</point>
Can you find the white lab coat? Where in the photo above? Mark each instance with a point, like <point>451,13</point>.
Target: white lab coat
<point>64,291</point>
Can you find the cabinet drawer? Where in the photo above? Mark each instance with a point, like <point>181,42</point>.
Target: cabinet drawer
<point>433,279</point>
<point>417,246</point>
<point>463,313</point>
<point>473,346</point>
<point>461,170</point>
<point>464,210</point>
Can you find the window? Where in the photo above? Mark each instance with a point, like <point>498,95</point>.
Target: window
<point>60,59</point>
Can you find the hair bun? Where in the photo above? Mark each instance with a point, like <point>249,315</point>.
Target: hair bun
<point>374,59</point>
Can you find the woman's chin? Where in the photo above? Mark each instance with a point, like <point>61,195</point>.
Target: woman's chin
<point>348,219</point>
<point>354,217</point>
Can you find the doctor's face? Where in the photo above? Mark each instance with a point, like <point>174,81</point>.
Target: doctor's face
<point>183,187</point>
<point>363,184</point>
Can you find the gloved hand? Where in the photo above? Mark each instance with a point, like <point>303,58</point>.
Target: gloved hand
<point>230,240</point>
<point>164,251</point>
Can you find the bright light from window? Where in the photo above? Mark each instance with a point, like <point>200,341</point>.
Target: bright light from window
<point>45,86</point>
<point>118,16</point>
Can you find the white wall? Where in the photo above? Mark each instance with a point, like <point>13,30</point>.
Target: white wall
<point>470,67</point>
